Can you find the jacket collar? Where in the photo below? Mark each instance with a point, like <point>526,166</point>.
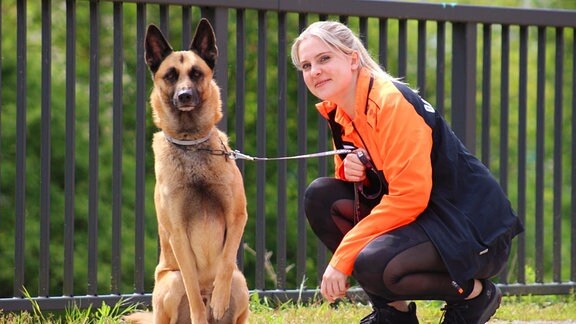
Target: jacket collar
<point>361,98</point>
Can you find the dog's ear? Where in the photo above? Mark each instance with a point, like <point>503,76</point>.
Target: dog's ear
<point>156,47</point>
<point>204,43</point>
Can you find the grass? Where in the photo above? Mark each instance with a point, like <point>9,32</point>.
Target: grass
<point>105,314</point>
<point>516,309</point>
<point>513,309</point>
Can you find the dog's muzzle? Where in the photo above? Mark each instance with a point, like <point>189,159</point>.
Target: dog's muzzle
<point>186,99</point>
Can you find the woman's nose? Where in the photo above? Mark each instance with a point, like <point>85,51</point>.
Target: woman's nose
<point>315,70</point>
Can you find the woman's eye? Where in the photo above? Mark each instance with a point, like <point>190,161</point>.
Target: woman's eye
<point>306,66</point>
<point>324,58</point>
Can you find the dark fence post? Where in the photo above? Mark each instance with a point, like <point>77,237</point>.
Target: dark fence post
<point>218,17</point>
<point>464,83</point>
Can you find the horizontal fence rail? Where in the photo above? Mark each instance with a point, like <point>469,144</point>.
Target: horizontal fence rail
<point>77,220</point>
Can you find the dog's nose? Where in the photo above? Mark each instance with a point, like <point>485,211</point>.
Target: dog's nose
<point>184,97</point>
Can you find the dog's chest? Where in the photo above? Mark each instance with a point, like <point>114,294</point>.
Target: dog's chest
<point>194,166</point>
<point>199,167</point>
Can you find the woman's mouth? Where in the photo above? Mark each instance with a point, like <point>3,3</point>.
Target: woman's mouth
<point>321,83</point>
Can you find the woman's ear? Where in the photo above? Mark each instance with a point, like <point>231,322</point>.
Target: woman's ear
<point>355,60</point>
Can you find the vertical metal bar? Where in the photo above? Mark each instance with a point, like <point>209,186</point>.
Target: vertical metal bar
<point>140,156</point>
<point>321,250</point>
<point>504,106</point>
<point>186,27</point>
<point>240,82</point>
<point>558,133</point>
<point>363,35</point>
<point>70,160</point>
<point>221,69</point>
<point>402,48</point>
<point>421,79</point>
<point>117,147</point>
<point>208,13</point>
<point>1,32</point>
<point>323,145</point>
<point>540,115</point>
<point>504,116</point>
<point>383,42</point>
<point>302,172</point>
<point>464,83</point>
<point>441,66</point>
<point>1,87</point>
<point>93,192</point>
<point>240,104</point>
<point>522,135</point>
<point>573,164</point>
<point>282,151</point>
<point>20,189</point>
<point>164,17</point>
<point>261,147</point>
<point>45,151</point>
<point>486,92</point>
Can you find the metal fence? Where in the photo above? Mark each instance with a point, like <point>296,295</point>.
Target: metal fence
<point>77,224</point>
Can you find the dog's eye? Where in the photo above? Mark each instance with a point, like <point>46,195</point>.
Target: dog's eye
<point>196,74</point>
<point>171,76</point>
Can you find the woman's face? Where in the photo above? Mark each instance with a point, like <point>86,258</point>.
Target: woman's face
<point>328,74</point>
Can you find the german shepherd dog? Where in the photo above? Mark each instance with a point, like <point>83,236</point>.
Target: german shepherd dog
<point>199,194</point>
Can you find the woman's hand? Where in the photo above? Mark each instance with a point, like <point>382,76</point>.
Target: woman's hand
<point>334,284</point>
<point>354,169</point>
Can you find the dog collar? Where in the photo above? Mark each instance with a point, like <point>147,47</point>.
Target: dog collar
<point>187,142</point>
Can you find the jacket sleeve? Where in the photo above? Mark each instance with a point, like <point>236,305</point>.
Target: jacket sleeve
<point>404,142</point>
<point>338,168</point>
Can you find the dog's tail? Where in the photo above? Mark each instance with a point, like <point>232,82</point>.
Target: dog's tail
<point>139,318</point>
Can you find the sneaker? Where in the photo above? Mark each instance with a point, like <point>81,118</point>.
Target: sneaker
<point>390,315</point>
<point>474,311</point>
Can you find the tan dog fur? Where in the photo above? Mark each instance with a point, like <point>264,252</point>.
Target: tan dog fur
<point>199,194</point>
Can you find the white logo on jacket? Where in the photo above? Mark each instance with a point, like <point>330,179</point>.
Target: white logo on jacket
<point>428,107</point>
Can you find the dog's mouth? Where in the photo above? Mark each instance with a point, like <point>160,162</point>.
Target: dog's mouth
<point>185,108</point>
<point>186,99</point>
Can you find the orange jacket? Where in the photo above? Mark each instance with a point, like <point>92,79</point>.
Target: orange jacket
<point>399,143</point>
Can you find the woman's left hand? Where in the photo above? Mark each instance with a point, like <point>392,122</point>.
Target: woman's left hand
<point>354,169</point>
<point>334,284</point>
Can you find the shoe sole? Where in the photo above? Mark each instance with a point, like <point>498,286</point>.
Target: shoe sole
<point>492,307</point>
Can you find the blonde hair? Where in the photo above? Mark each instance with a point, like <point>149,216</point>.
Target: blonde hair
<point>341,38</point>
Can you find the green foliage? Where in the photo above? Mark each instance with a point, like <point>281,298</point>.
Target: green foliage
<point>83,162</point>
<point>105,314</point>
<point>303,126</point>
<point>513,309</point>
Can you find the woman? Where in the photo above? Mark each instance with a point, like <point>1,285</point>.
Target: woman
<point>410,214</point>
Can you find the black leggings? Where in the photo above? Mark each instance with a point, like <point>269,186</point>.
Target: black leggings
<point>400,265</point>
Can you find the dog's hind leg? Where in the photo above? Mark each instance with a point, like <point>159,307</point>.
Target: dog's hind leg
<point>240,298</point>
<point>238,310</point>
<point>169,298</point>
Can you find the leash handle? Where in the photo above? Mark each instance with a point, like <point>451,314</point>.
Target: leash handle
<point>369,166</point>
<point>364,159</point>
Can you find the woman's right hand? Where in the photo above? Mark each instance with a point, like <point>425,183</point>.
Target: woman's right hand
<point>354,170</point>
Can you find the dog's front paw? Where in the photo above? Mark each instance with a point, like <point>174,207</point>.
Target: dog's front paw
<point>220,301</point>
<point>199,320</point>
